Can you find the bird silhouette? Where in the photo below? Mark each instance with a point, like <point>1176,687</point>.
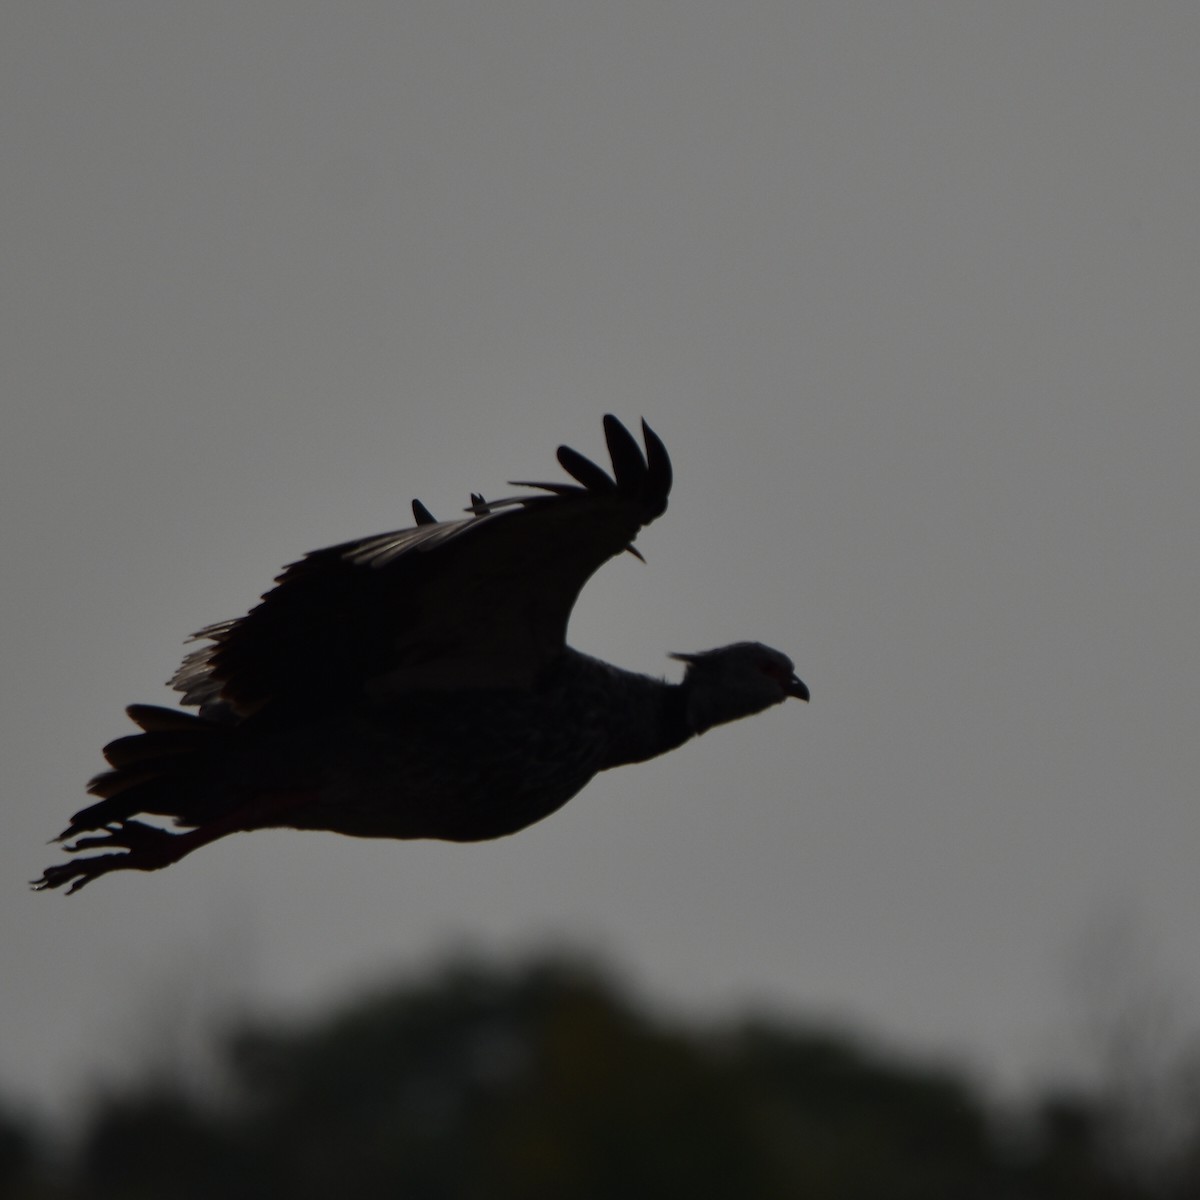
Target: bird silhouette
<point>416,684</point>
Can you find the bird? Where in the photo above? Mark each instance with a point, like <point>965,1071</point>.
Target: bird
<point>416,684</point>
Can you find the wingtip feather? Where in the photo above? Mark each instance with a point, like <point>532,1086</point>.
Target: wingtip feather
<point>659,474</point>
<point>629,463</point>
<point>594,478</point>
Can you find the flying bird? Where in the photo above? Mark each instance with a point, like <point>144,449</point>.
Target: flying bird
<point>416,684</point>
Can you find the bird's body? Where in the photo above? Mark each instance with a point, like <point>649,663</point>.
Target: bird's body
<point>416,685</point>
<point>471,763</point>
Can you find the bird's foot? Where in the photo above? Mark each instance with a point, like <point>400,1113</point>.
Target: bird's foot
<point>142,848</point>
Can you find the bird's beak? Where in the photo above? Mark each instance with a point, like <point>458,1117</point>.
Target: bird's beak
<point>798,688</point>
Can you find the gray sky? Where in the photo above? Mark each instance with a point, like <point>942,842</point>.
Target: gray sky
<point>911,291</point>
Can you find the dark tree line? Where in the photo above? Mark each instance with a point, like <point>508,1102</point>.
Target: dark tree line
<point>547,1081</point>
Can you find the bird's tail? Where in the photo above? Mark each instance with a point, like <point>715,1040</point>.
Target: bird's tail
<point>158,771</point>
<point>153,771</point>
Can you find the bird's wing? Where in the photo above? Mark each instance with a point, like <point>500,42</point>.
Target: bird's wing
<point>478,602</point>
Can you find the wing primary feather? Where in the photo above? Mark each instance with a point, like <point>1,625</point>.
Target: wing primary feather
<point>658,474</point>
<point>629,464</point>
<point>558,489</point>
<point>421,514</point>
<point>586,471</point>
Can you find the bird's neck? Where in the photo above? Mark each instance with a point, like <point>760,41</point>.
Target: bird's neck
<point>652,718</point>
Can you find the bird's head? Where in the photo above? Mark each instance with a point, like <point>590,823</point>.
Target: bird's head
<point>737,681</point>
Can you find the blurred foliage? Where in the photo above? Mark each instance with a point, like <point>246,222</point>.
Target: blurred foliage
<point>546,1080</point>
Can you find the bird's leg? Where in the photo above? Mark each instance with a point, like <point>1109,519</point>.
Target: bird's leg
<point>148,848</point>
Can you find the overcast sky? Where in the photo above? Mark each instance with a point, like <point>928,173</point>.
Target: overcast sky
<point>910,290</point>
